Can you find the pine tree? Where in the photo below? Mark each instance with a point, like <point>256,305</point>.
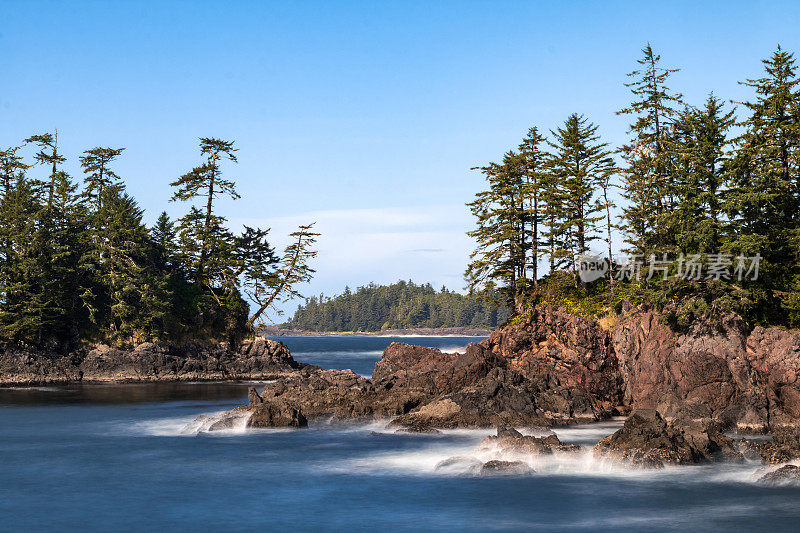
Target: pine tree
<point>99,176</point>
<point>700,148</point>
<point>47,155</point>
<point>581,164</point>
<point>647,180</point>
<point>533,162</point>
<point>137,294</point>
<point>11,168</point>
<point>20,270</point>
<point>204,236</point>
<point>763,201</point>
<point>499,261</point>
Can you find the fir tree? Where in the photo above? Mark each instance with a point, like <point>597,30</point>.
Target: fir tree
<point>99,176</point>
<point>647,180</point>
<point>533,161</point>
<point>581,164</point>
<point>763,201</point>
<point>205,239</point>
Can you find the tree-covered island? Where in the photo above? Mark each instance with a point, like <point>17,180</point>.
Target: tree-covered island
<point>79,265</point>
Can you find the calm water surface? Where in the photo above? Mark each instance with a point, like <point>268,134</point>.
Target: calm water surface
<point>96,458</point>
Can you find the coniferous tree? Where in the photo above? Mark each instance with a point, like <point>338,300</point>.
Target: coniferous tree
<point>700,147</point>
<point>647,179</point>
<point>581,164</point>
<point>206,240</point>
<point>763,201</point>
<point>99,176</point>
<point>11,167</point>
<point>498,263</point>
<point>533,161</point>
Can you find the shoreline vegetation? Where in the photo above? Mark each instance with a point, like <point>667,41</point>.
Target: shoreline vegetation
<point>705,192</point>
<point>279,331</point>
<point>403,305</point>
<point>79,267</point>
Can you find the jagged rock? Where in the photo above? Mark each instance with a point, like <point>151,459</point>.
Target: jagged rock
<point>417,429</point>
<point>429,369</point>
<point>785,475</point>
<point>646,440</point>
<point>509,440</point>
<point>506,467</point>
<point>270,415</point>
<point>716,370</point>
<point>750,449</point>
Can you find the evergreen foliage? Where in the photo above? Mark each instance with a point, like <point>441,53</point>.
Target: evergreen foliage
<point>81,265</point>
<point>400,305</point>
<point>698,185</point>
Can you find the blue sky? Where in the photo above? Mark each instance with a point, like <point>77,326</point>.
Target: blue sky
<point>363,116</point>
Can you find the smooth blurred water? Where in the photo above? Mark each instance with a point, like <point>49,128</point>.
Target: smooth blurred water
<point>359,353</point>
<point>119,458</point>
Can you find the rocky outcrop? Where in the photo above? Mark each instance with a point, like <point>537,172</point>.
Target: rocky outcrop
<point>551,368</point>
<point>257,359</point>
<point>509,440</point>
<point>722,371</point>
<point>497,466</point>
<point>647,440</point>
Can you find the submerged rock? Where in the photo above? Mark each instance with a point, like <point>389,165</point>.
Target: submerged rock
<point>785,475</point>
<point>506,467</point>
<point>509,440</point>
<point>459,465</point>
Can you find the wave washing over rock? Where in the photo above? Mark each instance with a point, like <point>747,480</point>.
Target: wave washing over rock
<point>553,369</point>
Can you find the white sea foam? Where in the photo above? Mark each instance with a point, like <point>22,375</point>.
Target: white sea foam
<point>190,426</point>
<point>453,349</point>
<point>435,448</point>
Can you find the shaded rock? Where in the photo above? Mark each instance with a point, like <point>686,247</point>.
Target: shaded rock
<point>147,362</point>
<point>417,429</point>
<point>506,467</point>
<point>503,398</point>
<point>646,440</point>
<point>271,415</point>
<point>785,475</point>
<point>750,449</point>
<point>503,432</point>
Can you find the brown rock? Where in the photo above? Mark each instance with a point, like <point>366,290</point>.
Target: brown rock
<point>506,467</point>
<point>270,415</point>
<point>646,440</point>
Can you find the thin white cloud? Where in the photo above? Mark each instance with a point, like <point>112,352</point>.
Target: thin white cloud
<point>426,244</point>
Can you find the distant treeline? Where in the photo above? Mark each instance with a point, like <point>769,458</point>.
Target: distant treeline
<point>401,305</point>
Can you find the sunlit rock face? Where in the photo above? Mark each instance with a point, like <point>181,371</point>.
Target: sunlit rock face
<point>724,372</point>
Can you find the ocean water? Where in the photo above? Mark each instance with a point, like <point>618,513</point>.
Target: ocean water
<point>130,458</point>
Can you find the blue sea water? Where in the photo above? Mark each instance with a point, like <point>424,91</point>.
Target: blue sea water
<point>127,458</point>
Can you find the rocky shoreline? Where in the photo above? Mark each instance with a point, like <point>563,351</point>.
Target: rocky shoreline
<point>260,359</point>
<point>684,393</point>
